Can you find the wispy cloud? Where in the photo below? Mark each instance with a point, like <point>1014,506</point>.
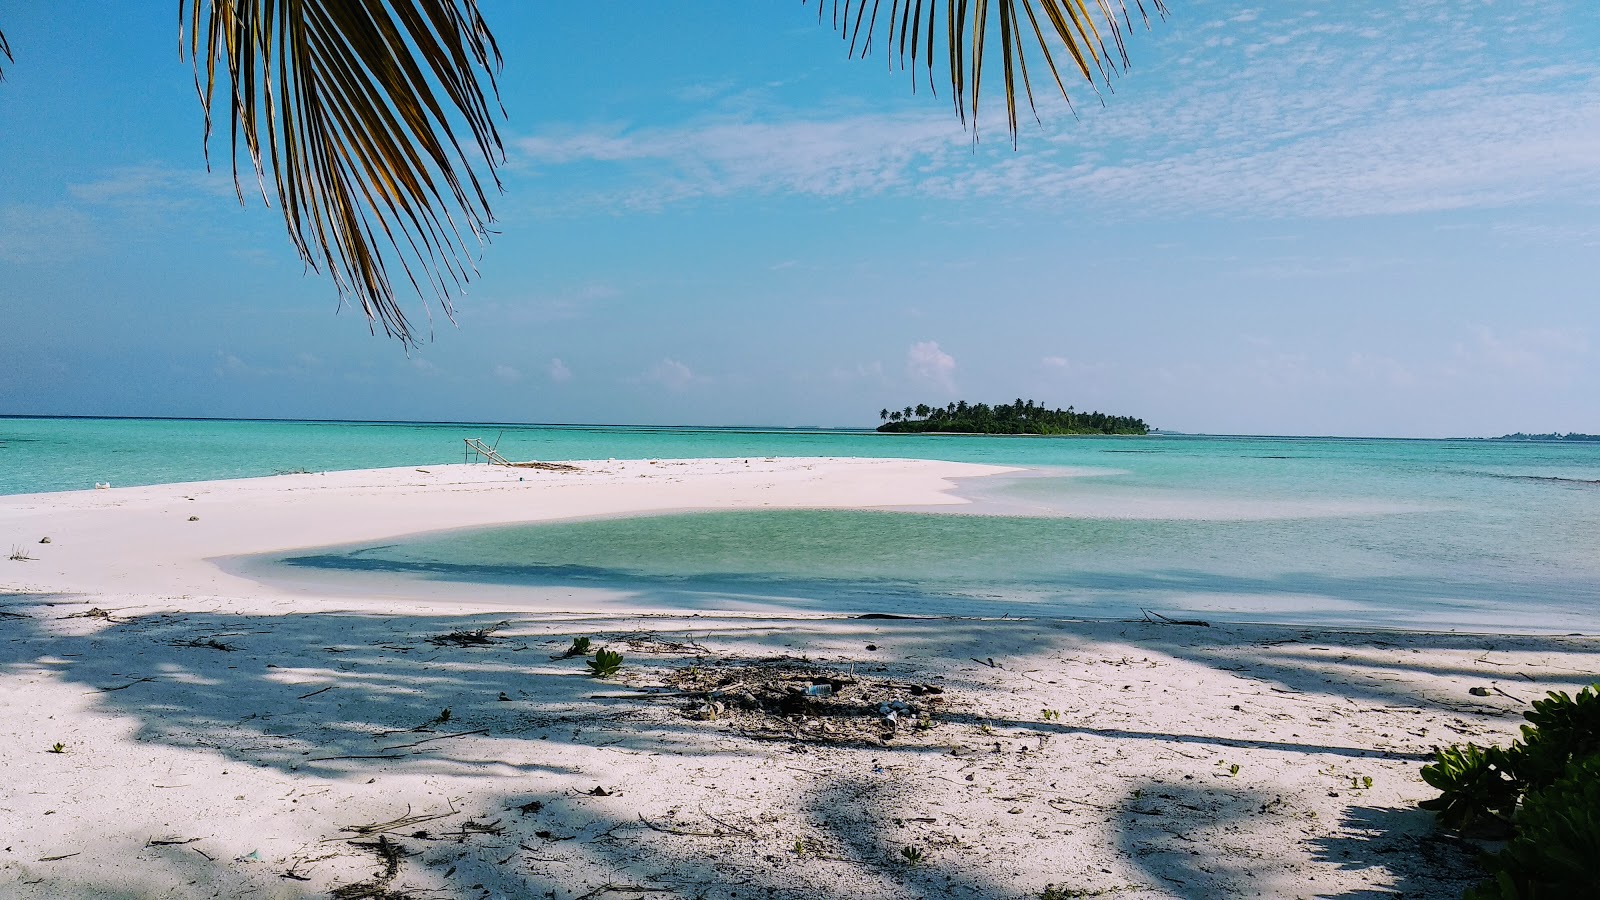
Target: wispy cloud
<point>158,188</point>
<point>1321,110</point>
<point>558,371</point>
<point>859,155</point>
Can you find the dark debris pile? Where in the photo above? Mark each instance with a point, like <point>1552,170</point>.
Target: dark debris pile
<point>806,703</point>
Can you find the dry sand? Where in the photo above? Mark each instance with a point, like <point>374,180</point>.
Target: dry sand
<point>226,738</point>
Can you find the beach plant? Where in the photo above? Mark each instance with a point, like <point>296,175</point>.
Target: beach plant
<point>1556,850</point>
<point>605,663</point>
<point>1543,792</point>
<point>57,747</point>
<point>912,856</point>
<point>580,647</point>
<point>19,554</point>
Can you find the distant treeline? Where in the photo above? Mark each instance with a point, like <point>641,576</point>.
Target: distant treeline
<point>1553,436</point>
<point>1021,417</point>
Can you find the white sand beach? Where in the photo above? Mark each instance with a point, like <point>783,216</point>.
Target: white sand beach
<point>222,736</point>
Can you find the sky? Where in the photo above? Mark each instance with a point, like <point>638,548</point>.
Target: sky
<point>1333,217</point>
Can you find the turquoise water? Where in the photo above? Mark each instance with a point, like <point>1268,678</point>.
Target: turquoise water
<point>1431,534</point>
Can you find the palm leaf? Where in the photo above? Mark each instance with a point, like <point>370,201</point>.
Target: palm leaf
<point>1090,31</point>
<point>350,107</point>
<point>5,50</point>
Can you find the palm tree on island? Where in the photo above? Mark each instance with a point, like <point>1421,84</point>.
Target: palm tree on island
<point>1020,417</point>
<point>374,125</point>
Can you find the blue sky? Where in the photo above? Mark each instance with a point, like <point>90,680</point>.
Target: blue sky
<point>1307,218</point>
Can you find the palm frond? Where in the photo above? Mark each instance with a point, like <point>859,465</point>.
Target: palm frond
<point>1091,32</point>
<point>350,107</point>
<point>5,50</point>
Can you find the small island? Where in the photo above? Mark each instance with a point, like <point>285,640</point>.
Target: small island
<point>1021,417</point>
<point>1552,436</point>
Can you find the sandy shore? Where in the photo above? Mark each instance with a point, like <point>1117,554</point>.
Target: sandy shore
<point>228,738</point>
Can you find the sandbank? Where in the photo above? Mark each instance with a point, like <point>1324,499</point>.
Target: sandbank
<point>225,737</point>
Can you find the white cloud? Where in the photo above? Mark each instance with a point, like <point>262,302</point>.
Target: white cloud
<point>1055,362</point>
<point>160,187</point>
<point>558,370</point>
<point>929,363</point>
<point>673,375</point>
<point>507,373</point>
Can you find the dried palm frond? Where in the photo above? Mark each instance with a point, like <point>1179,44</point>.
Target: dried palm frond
<point>350,104</point>
<point>912,29</point>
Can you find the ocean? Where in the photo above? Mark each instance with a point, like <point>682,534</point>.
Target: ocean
<point>1475,536</point>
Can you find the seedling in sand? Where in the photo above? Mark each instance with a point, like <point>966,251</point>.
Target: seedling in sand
<point>580,647</point>
<point>1050,714</point>
<point>1362,783</point>
<point>57,747</point>
<point>605,663</point>
<point>911,855</point>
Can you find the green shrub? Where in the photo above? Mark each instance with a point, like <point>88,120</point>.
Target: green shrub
<point>1476,792</point>
<point>1556,851</point>
<point>1543,792</point>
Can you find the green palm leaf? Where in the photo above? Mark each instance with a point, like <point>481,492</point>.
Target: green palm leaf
<point>350,107</point>
<point>1091,32</point>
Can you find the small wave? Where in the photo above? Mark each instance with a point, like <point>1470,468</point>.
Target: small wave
<point>1552,479</point>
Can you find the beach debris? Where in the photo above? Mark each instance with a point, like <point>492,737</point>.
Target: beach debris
<point>19,554</point>
<point>580,647</point>
<point>609,888</point>
<point>872,648</point>
<point>545,466</point>
<point>44,540</point>
<point>405,821</point>
<point>476,637</point>
<point>1156,618</point>
<point>206,643</point>
<point>1478,691</point>
<point>605,664</point>
<point>389,854</point>
<point>194,518</point>
<point>102,485</point>
<point>123,687</point>
<point>811,704</point>
<point>94,612</point>
<point>651,642</point>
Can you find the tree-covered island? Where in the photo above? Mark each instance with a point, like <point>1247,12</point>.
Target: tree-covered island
<point>1021,417</point>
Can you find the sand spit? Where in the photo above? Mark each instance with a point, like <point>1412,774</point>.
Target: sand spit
<point>222,738</point>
